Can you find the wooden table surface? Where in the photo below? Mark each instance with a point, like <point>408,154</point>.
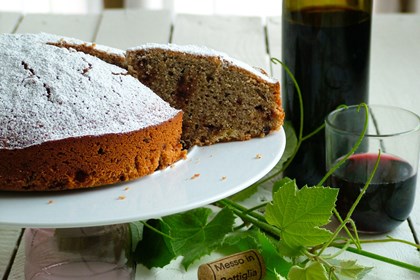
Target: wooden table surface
<point>395,79</point>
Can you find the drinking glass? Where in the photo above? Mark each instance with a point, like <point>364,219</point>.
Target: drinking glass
<point>393,131</point>
<point>101,252</point>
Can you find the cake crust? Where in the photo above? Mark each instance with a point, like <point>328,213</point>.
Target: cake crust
<point>91,161</point>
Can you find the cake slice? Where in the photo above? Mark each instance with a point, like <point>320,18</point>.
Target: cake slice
<point>223,99</point>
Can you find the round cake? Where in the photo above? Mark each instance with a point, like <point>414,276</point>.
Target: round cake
<point>70,120</point>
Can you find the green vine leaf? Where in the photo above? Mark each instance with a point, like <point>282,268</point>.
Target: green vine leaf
<point>299,214</point>
<point>136,231</point>
<point>194,235</point>
<point>152,250</point>
<point>240,240</point>
<point>349,269</point>
<point>274,261</point>
<point>312,271</point>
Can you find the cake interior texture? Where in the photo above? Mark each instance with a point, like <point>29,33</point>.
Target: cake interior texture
<point>221,101</point>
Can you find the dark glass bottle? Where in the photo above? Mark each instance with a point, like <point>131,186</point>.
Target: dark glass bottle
<point>326,45</point>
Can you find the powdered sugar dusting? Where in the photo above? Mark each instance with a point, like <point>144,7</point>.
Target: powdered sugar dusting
<point>205,51</point>
<point>49,93</point>
<point>78,42</point>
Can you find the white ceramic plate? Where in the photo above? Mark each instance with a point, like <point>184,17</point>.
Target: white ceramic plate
<point>207,174</point>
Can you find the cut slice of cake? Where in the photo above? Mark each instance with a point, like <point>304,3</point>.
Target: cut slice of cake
<point>223,99</point>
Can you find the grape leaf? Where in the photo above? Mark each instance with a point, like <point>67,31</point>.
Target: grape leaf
<point>280,183</point>
<point>194,235</point>
<point>300,213</point>
<point>238,241</point>
<point>274,262</point>
<point>349,269</point>
<point>312,271</point>
<point>152,250</point>
<point>136,231</point>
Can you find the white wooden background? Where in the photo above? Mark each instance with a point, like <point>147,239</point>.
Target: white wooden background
<point>395,79</point>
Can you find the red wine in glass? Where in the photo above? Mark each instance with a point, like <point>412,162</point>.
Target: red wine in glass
<point>389,198</point>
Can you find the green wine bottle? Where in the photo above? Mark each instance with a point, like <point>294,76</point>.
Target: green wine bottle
<point>326,45</point>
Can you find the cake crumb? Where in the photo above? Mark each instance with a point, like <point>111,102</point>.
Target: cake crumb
<point>50,201</point>
<point>223,178</point>
<point>121,197</point>
<point>126,188</point>
<point>195,176</point>
<point>258,156</point>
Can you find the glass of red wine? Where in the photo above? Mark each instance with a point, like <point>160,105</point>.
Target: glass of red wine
<point>393,131</point>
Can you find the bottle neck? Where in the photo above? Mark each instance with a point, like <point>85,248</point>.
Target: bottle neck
<point>290,6</point>
<point>327,13</point>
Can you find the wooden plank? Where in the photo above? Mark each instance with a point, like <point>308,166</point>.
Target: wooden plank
<point>395,72</point>
<point>128,28</point>
<point>17,271</point>
<point>9,21</point>
<point>8,241</point>
<point>240,37</point>
<point>77,26</point>
<point>395,58</point>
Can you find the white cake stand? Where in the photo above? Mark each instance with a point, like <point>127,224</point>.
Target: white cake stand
<point>207,174</point>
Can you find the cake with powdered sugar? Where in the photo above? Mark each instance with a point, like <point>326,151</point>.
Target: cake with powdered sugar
<point>73,114</point>
<point>70,120</point>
